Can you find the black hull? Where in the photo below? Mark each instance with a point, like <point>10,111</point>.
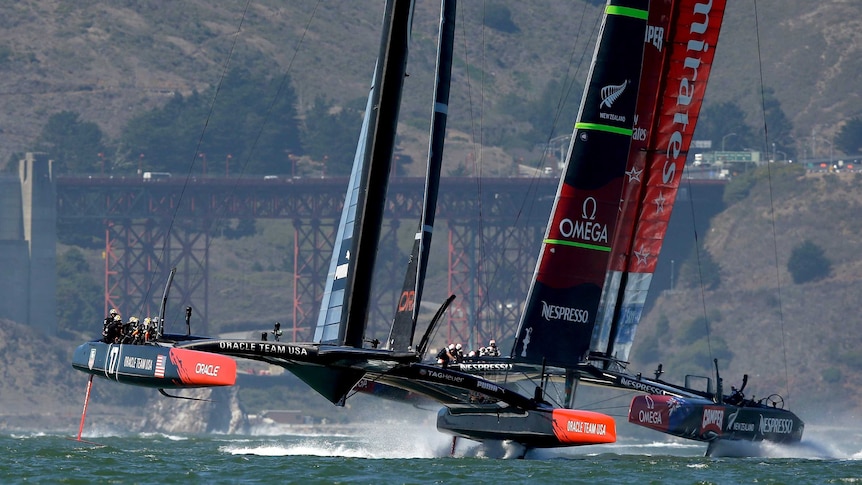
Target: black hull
<point>152,365</point>
<point>703,420</point>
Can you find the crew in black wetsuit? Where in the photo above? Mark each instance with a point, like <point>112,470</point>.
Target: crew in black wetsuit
<point>444,357</point>
<point>109,321</point>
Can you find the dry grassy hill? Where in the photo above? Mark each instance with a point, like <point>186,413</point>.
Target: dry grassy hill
<point>109,60</point>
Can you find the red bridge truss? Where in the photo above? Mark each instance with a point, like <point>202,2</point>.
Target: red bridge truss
<point>492,234</point>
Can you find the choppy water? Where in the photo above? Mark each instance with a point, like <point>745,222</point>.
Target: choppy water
<point>399,454</point>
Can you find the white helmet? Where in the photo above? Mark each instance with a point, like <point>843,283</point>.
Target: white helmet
<point>458,346</point>
<point>451,346</point>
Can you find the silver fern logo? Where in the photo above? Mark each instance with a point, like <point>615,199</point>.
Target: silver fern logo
<point>611,93</point>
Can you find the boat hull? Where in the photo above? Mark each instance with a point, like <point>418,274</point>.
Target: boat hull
<point>704,420</point>
<point>540,428</point>
<point>163,367</point>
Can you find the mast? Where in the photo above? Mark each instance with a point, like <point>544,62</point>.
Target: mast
<point>407,313</point>
<point>345,308</point>
<point>560,312</point>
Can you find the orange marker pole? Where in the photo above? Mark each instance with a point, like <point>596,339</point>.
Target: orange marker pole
<point>86,402</point>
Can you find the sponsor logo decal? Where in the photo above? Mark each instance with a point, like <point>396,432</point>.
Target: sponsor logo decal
<point>585,229</point>
<point>649,415</point>
<point>776,425</point>
<point>444,376</point>
<point>643,387</point>
<point>586,428</point>
<point>611,92</point>
<point>732,425</point>
<point>609,95</point>
<point>207,369</point>
<point>407,300</point>
<point>160,366</point>
<point>712,420</point>
<point>487,386</point>
<point>130,362</point>
<point>557,312</point>
<point>686,90</point>
<point>528,332</point>
<point>263,348</point>
<point>484,366</point>
<point>638,134</point>
<point>655,36</point>
<point>742,427</point>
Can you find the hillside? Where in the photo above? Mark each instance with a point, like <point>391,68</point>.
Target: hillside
<point>109,61</point>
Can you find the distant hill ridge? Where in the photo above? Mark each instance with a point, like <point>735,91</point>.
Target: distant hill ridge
<point>109,61</point>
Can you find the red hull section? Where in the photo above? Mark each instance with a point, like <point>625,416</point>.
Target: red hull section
<point>537,428</point>
<point>574,427</point>
<point>203,369</point>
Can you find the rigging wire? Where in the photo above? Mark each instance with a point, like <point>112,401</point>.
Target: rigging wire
<point>188,178</point>
<point>478,161</point>
<point>566,88</point>
<point>771,202</point>
<point>222,204</point>
<point>699,270</point>
<point>568,85</point>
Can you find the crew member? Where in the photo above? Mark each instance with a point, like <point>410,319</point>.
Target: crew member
<point>129,330</point>
<point>115,330</point>
<point>109,320</point>
<point>444,357</point>
<point>276,331</point>
<point>492,350</point>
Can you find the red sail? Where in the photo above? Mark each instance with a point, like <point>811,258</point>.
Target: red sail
<point>668,109</point>
<point>692,49</point>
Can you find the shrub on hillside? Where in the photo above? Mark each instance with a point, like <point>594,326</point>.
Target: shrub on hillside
<point>808,262</point>
<point>831,375</point>
<point>700,270</point>
<point>499,17</point>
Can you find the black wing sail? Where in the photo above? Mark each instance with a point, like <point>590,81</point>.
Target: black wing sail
<point>560,312</point>
<point>404,324</point>
<point>344,310</point>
